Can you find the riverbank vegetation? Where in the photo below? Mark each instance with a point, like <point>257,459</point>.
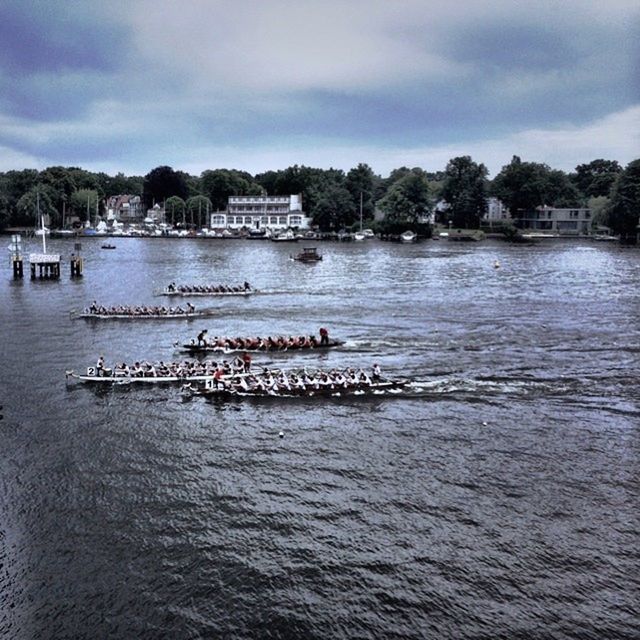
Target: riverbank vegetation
<point>336,199</point>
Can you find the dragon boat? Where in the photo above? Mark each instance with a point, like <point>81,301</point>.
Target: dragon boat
<point>141,313</point>
<point>229,388</point>
<point>189,290</point>
<point>231,345</point>
<point>109,376</point>
<point>187,315</point>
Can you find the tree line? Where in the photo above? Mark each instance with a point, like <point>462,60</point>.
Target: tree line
<point>334,198</point>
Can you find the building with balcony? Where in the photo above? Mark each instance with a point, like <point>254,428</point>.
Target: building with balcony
<point>565,222</point>
<point>125,208</point>
<point>274,213</point>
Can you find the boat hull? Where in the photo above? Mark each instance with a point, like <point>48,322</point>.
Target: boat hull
<point>379,388</point>
<point>133,316</point>
<point>188,294</point>
<point>197,349</point>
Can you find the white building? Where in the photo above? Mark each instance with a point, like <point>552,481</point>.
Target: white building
<point>496,210</point>
<point>275,213</point>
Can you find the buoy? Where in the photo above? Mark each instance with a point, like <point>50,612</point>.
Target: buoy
<point>496,264</point>
<point>281,434</point>
<point>484,424</point>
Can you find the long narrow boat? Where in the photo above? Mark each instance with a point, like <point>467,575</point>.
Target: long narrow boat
<point>186,315</point>
<point>332,391</point>
<point>194,348</point>
<point>187,291</point>
<point>113,378</point>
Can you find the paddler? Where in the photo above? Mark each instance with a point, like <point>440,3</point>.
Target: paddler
<point>376,373</point>
<point>324,336</point>
<point>218,378</point>
<point>202,338</point>
<point>246,361</point>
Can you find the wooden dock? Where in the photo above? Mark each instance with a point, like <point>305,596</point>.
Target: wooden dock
<point>47,265</point>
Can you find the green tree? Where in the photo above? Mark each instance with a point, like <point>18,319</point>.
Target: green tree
<point>219,184</point>
<point>599,207</point>
<point>520,185</point>
<point>86,180</point>
<point>597,177</point>
<point>84,203</point>
<point>120,184</point>
<point>17,183</point>
<point>267,181</point>
<point>5,212</point>
<point>334,209</point>
<point>524,186</point>
<point>162,183</point>
<point>408,199</point>
<point>464,189</point>
<point>192,183</point>
<point>199,207</point>
<point>61,180</point>
<point>175,208</point>
<point>39,199</point>
<point>361,181</point>
<point>624,214</point>
<point>560,191</point>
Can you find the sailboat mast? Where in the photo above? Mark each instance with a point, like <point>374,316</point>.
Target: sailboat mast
<point>44,242</point>
<point>361,211</point>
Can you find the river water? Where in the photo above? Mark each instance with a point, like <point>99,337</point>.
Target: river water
<point>497,499</point>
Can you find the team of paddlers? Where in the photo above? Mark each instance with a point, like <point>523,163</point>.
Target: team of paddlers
<point>194,288</point>
<point>184,369</point>
<point>280,382</point>
<point>127,310</point>
<point>257,343</point>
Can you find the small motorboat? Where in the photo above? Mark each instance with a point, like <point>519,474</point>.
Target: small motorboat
<point>308,254</point>
<point>108,246</point>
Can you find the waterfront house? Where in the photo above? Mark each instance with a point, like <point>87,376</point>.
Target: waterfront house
<point>273,213</point>
<point>125,208</point>
<point>572,221</point>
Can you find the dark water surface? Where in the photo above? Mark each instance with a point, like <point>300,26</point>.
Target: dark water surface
<point>499,499</point>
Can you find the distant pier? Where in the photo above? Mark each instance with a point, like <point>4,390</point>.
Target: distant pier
<point>45,266</point>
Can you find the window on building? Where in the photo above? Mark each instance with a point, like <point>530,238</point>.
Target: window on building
<point>247,219</point>
<point>295,221</point>
<point>217,221</point>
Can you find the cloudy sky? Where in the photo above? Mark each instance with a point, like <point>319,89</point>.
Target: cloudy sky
<point>264,84</point>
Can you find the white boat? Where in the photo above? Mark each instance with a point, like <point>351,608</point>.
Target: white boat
<point>112,377</point>
<point>360,236</point>
<point>187,315</point>
<point>407,237</point>
<point>368,233</point>
<point>42,232</point>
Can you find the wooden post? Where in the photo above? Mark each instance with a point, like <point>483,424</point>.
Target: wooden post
<point>76,267</point>
<point>17,268</point>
